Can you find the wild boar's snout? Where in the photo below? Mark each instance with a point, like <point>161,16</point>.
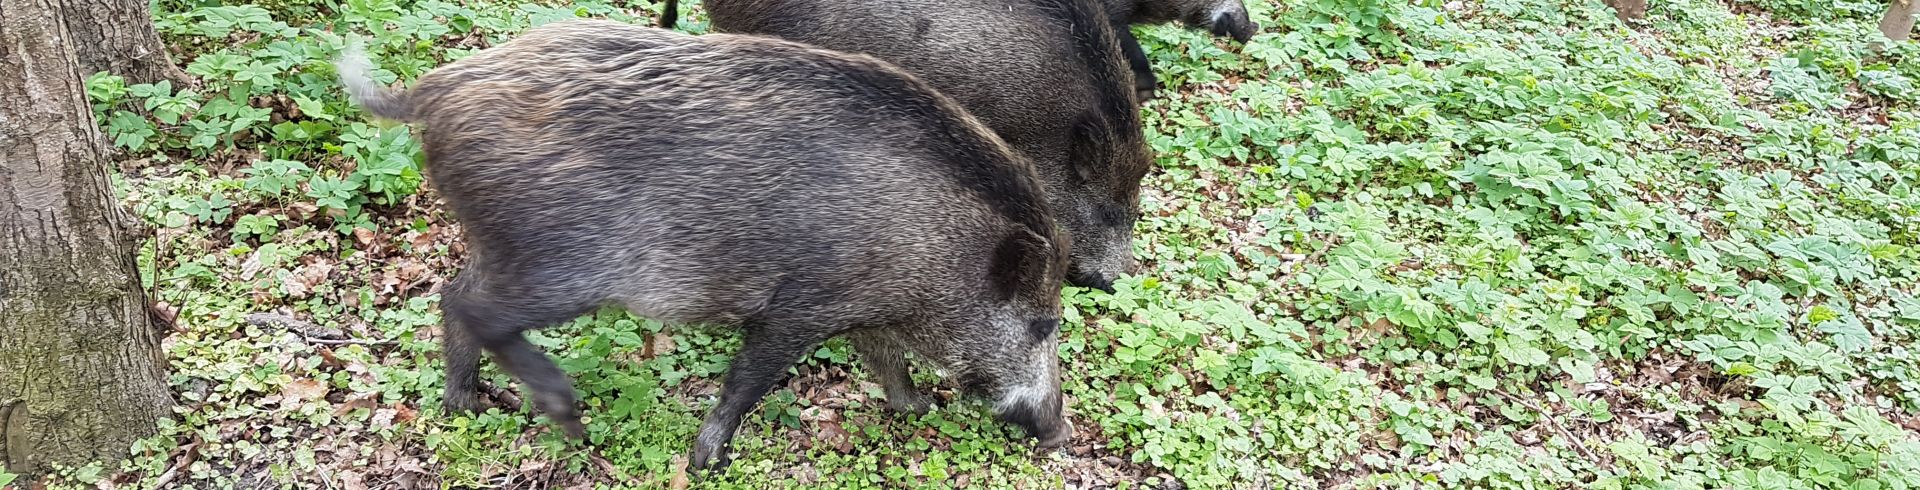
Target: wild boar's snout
<point>1093,280</point>
<point>1230,19</point>
<point>1103,256</point>
<point>1042,413</point>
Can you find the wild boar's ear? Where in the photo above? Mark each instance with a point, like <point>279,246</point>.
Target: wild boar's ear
<point>1020,262</point>
<point>1084,153</point>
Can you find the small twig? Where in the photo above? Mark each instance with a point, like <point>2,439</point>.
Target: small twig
<point>509,402</point>
<point>173,471</point>
<point>416,283</point>
<point>1552,422</point>
<point>282,321</point>
<point>311,333</point>
<point>312,340</point>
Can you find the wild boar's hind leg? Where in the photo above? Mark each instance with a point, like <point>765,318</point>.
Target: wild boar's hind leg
<point>768,350</point>
<point>494,320</point>
<point>461,352</point>
<point>888,361</point>
<point>552,391</point>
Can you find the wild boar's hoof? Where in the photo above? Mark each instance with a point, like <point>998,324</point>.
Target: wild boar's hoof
<point>1059,437</point>
<point>574,429</point>
<point>461,401</point>
<point>559,407</point>
<point>708,457</point>
<point>916,404</point>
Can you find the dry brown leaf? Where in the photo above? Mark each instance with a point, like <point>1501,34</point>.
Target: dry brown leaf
<point>818,414</point>
<point>1380,327</point>
<point>383,418</point>
<point>328,359</point>
<point>679,481</point>
<point>423,240</point>
<point>303,389</point>
<point>411,270</point>
<point>832,434</point>
<point>403,414</point>
<point>165,314</point>
<point>352,480</point>
<point>533,464</point>
<point>366,401</point>
<point>250,267</point>
<point>304,279</point>
<point>661,344</point>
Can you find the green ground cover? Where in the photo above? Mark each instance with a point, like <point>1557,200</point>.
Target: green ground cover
<point>1499,244</point>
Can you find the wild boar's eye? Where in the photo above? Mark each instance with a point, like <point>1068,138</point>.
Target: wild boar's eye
<point>1040,329</point>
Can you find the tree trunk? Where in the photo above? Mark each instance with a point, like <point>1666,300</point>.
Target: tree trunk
<point>1628,10</point>
<point>118,36</point>
<point>1898,23</point>
<point>81,371</point>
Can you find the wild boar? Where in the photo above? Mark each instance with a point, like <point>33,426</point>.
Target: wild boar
<point>793,192</point>
<point>1227,18</point>
<point>1047,75</point>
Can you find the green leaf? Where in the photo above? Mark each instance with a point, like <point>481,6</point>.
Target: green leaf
<point>1821,313</point>
<point>1521,353</point>
<point>311,108</point>
<point>1475,331</point>
<point>1581,371</point>
<point>1848,334</point>
<point>129,130</point>
<point>1481,381</point>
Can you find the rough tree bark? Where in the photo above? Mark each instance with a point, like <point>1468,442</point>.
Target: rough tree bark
<point>1898,23</point>
<point>118,36</point>
<point>1628,10</point>
<point>81,371</point>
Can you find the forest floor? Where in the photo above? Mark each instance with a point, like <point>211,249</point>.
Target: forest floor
<point>1499,244</point>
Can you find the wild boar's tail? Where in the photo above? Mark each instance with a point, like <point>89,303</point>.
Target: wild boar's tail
<point>669,14</point>
<point>356,74</point>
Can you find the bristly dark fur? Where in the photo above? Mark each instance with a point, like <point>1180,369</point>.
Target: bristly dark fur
<point>1009,189</point>
<point>795,192</point>
<point>1032,70</point>
<point>1114,111</point>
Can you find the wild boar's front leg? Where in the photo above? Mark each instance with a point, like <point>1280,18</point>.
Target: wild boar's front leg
<point>888,361</point>
<point>765,355</point>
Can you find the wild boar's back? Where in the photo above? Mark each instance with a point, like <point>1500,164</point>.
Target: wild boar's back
<point>587,100</point>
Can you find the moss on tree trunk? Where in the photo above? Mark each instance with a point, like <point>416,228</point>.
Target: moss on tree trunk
<point>81,371</point>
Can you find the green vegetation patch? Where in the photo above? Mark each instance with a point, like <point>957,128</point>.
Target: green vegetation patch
<point>1498,244</point>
